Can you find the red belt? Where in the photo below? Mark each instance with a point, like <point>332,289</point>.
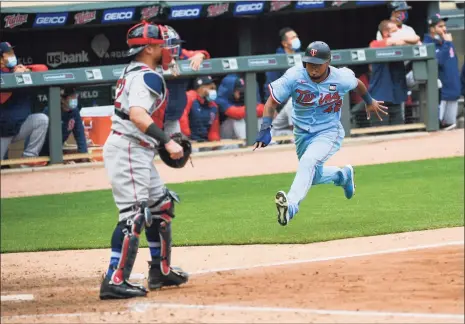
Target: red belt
<point>141,143</point>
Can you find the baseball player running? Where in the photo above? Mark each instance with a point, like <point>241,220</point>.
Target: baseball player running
<point>317,90</point>
<point>139,193</point>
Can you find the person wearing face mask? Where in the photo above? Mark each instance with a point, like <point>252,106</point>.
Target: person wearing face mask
<point>388,82</point>
<point>399,16</point>
<point>290,44</point>
<point>231,106</point>
<point>177,87</point>
<point>16,119</point>
<point>71,122</point>
<point>448,68</point>
<point>200,120</point>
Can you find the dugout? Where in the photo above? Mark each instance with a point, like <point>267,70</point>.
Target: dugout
<point>93,33</point>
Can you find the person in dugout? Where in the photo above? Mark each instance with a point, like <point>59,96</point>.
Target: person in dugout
<point>17,122</point>
<point>231,106</point>
<point>200,120</point>
<point>168,116</point>
<point>71,122</point>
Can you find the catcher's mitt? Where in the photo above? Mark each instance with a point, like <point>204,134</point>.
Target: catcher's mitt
<point>186,146</point>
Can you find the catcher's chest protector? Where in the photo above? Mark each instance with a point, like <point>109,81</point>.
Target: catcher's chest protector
<point>127,83</point>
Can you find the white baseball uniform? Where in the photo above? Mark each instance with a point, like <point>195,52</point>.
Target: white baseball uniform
<point>128,153</point>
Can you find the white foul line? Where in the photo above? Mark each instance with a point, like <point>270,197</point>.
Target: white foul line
<point>338,257</point>
<point>12,317</point>
<point>5,298</point>
<point>142,307</point>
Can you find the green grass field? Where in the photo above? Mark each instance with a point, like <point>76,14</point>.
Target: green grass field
<point>390,198</point>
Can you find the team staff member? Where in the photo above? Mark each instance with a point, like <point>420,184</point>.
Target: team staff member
<point>399,16</point>
<point>290,44</point>
<point>200,120</point>
<point>71,121</point>
<point>448,66</point>
<point>232,107</point>
<point>387,82</point>
<point>16,119</point>
<point>177,88</point>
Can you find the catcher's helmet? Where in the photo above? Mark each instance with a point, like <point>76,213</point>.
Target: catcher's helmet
<point>317,53</point>
<point>399,5</point>
<point>144,34</point>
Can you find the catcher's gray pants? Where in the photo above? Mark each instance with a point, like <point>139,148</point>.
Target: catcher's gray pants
<point>35,126</point>
<point>448,111</point>
<point>132,174</point>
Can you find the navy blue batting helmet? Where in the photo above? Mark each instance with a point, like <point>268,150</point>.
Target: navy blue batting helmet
<point>317,53</point>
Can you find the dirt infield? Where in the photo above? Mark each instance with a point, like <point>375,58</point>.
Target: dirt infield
<point>413,277</point>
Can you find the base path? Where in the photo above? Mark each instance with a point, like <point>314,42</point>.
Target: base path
<point>359,151</point>
<point>402,278</point>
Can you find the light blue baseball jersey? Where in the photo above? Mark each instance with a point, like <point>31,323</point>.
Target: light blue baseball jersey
<point>315,106</point>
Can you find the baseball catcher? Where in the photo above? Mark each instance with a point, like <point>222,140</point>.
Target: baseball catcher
<point>144,203</point>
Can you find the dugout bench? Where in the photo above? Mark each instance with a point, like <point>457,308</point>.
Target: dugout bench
<point>425,72</point>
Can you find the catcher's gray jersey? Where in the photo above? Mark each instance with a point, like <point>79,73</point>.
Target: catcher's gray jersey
<point>138,86</point>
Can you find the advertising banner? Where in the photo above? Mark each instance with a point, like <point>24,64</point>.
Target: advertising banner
<point>163,13</point>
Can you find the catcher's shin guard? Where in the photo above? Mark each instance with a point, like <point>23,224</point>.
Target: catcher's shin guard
<point>160,272</point>
<point>131,228</point>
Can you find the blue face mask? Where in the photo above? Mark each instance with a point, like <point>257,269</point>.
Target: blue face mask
<point>11,62</point>
<point>211,96</point>
<point>72,103</point>
<point>295,44</point>
<point>403,17</point>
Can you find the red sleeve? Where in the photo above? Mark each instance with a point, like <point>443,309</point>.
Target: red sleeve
<point>184,121</point>
<point>189,54</point>
<point>4,96</point>
<point>37,67</point>
<point>214,132</point>
<point>235,112</point>
<point>378,43</point>
<point>158,116</point>
<point>260,108</point>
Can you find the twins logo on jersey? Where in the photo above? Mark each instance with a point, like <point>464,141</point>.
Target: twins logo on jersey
<point>332,101</point>
<point>305,98</point>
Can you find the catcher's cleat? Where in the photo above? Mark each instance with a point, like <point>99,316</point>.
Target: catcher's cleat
<point>110,290</point>
<point>157,279</point>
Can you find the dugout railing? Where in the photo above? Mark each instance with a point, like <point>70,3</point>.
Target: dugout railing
<point>424,66</point>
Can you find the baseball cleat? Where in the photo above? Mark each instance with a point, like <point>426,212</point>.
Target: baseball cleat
<point>349,187</point>
<point>157,279</point>
<point>109,290</point>
<point>285,211</point>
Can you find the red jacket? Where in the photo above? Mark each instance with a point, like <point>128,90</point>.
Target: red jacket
<point>201,119</point>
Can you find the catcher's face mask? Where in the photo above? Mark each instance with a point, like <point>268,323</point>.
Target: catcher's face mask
<point>171,47</point>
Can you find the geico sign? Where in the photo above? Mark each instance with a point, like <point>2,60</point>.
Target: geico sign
<point>185,13</point>
<point>249,7</point>
<point>50,20</point>
<point>119,15</point>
